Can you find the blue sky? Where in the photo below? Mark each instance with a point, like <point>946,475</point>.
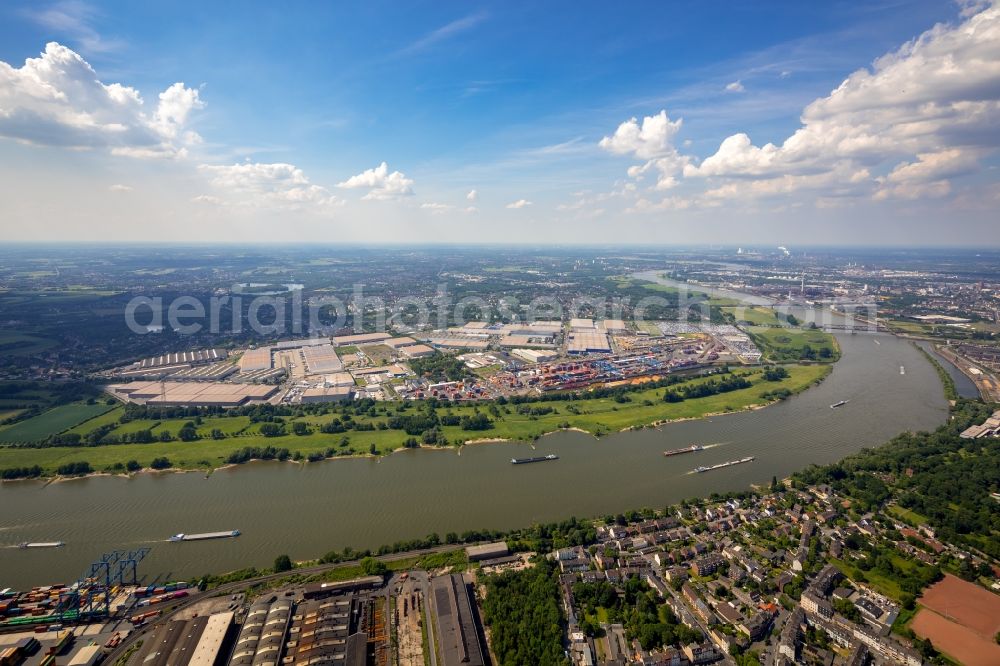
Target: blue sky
<point>511,100</point>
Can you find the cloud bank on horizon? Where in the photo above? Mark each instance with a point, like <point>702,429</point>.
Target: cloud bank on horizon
<point>917,125</point>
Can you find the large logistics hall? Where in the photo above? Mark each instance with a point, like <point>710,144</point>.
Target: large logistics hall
<point>179,643</point>
<point>192,394</point>
<point>458,637</point>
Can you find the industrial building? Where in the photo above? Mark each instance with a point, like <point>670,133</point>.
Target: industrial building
<point>458,342</point>
<point>192,394</point>
<point>487,551</point>
<point>339,379</point>
<point>578,324</point>
<point>328,394</point>
<point>212,639</point>
<point>301,344</point>
<point>204,373</point>
<point>256,359</point>
<point>349,629</point>
<point>164,365</point>
<point>534,355</point>
<point>323,590</point>
<point>264,376</point>
<point>263,634</point>
<point>198,357</point>
<point>535,340</point>
<point>180,642</point>
<point>458,641</point>
<point>614,326</point>
<point>360,339</point>
<point>321,359</point>
<point>416,351</point>
<point>588,342</point>
<point>396,343</point>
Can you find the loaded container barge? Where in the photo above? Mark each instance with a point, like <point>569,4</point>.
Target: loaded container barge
<point>728,463</point>
<point>522,461</point>
<point>686,449</point>
<point>206,535</point>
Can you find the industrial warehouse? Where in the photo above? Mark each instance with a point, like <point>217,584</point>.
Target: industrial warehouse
<point>194,394</point>
<point>504,360</point>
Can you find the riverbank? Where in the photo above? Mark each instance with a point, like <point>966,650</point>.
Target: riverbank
<point>523,422</point>
<point>305,510</point>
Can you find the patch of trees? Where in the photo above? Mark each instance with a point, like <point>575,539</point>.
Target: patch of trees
<point>477,421</point>
<point>248,453</point>
<point>161,462</point>
<point>11,473</point>
<point>523,611</point>
<point>413,424</point>
<point>776,394</point>
<point>271,429</point>
<point>440,367</point>
<point>775,373</point>
<point>74,468</point>
<point>705,389</point>
<point>525,410</point>
<point>282,563</point>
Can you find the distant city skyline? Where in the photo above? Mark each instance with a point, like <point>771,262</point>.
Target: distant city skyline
<point>758,124</point>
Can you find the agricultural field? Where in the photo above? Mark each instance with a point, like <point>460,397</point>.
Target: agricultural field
<point>20,344</point>
<point>598,416</point>
<point>793,344</point>
<point>962,620</point>
<point>108,418</point>
<point>52,422</point>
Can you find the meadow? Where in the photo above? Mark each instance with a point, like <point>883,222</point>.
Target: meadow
<point>790,344</point>
<point>51,422</point>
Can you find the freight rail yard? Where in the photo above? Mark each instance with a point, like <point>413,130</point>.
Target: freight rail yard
<point>501,360</point>
<point>377,620</point>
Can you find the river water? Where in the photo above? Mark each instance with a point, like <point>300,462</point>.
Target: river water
<point>306,510</point>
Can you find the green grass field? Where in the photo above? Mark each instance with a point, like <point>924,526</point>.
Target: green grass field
<point>755,315</point>
<point>600,416</point>
<point>907,515</point>
<point>108,418</point>
<point>880,583</point>
<point>787,344</point>
<point>52,422</point>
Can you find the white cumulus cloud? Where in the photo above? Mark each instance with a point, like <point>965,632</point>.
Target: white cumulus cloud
<point>926,112</point>
<point>520,203</point>
<point>653,141</point>
<point>735,86</point>
<point>275,185</point>
<point>380,183</point>
<point>472,195</point>
<point>58,100</point>
<point>119,187</point>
